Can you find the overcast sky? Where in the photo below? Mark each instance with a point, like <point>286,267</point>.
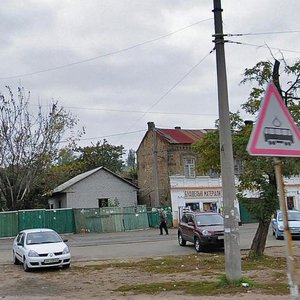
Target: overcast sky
<point>118,64</point>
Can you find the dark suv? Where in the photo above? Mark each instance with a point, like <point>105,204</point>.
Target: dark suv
<point>203,229</point>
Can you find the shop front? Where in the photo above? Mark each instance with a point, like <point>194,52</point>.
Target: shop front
<point>199,194</point>
<point>204,193</point>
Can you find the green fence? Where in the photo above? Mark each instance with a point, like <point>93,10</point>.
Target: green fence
<point>154,219</point>
<point>110,219</point>
<point>8,223</point>
<point>107,219</point>
<point>245,215</point>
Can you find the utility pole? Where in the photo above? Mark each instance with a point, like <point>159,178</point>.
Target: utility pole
<point>231,215</point>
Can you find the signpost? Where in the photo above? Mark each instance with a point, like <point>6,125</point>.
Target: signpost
<point>275,134</point>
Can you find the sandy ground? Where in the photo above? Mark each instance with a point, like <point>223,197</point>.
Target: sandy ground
<point>102,283</point>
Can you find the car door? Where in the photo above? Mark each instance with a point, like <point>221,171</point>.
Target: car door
<point>186,228</point>
<point>19,246</point>
<point>191,228</point>
<point>183,226</point>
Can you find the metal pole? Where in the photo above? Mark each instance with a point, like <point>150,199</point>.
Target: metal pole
<point>287,235</point>
<point>231,216</point>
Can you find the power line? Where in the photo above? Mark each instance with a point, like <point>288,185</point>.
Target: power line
<point>173,86</point>
<point>104,55</point>
<point>261,33</point>
<point>135,111</point>
<point>107,136</point>
<point>262,46</point>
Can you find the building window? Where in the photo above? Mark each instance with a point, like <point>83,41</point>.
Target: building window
<point>103,202</point>
<point>189,167</point>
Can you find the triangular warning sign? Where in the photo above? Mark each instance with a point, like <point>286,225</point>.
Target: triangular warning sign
<point>275,132</point>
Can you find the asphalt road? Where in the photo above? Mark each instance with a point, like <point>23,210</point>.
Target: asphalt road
<point>135,244</point>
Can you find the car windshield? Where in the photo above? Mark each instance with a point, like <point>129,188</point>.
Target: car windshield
<point>205,220</point>
<point>292,216</point>
<point>42,238</point>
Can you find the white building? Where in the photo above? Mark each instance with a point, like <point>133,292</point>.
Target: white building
<point>205,193</point>
<point>96,188</point>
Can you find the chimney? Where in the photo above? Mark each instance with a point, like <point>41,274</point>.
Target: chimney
<point>151,125</point>
<point>177,127</point>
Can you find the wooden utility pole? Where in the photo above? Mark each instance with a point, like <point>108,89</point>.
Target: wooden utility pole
<point>291,267</point>
<point>231,215</point>
<point>278,166</point>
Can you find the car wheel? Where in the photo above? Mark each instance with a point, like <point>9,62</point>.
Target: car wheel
<point>276,235</point>
<point>181,240</point>
<point>66,266</point>
<point>25,266</point>
<point>16,261</point>
<point>197,244</point>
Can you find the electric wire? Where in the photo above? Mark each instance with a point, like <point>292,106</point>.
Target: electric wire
<point>159,100</point>
<point>173,86</point>
<point>107,136</point>
<point>261,33</point>
<point>262,46</point>
<point>104,55</point>
<point>133,111</point>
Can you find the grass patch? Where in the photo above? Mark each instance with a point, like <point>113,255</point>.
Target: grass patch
<point>210,265</point>
<point>263,262</point>
<point>207,288</point>
<point>169,264</point>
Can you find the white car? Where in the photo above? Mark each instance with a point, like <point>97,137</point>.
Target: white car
<point>40,248</point>
<point>293,222</point>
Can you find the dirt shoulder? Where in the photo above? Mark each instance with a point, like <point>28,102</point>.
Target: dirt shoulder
<point>99,280</point>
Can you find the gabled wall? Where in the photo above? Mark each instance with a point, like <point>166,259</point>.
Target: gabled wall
<point>102,184</point>
<point>169,162</point>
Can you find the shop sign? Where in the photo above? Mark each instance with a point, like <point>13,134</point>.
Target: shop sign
<point>203,194</point>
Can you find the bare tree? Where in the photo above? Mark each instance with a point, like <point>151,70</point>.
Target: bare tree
<point>28,143</point>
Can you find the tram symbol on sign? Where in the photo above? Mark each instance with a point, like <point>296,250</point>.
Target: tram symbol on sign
<point>277,135</point>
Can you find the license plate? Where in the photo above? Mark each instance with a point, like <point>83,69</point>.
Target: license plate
<point>220,237</point>
<point>51,260</point>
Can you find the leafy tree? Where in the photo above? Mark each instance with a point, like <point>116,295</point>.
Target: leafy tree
<point>100,155</point>
<point>130,170</point>
<point>28,144</point>
<point>258,173</point>
<point>130,161</point>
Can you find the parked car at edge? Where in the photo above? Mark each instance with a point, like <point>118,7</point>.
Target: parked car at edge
<point>203,229</point>
<point>293,222</point>
<point>40,248</point>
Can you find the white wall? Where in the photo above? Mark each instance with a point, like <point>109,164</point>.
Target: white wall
<point>102,184</point>
<point>180,184</point>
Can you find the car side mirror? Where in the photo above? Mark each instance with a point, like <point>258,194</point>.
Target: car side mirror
<point>20,244</point>
<point>273,220</point>
<point>65,240</point>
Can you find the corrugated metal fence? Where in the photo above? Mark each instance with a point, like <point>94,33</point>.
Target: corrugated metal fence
<point>108,219</point>
<point>111,219</point>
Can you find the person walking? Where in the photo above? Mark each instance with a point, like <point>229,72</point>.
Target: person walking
<point>163,222</point>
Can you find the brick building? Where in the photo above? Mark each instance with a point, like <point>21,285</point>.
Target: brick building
<point>163,153</point>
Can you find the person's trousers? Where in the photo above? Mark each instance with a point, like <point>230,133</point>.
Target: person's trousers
<point>163,225</point>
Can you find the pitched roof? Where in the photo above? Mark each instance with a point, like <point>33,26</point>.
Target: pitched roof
<point>181,136</point>
<point>82,176</point>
